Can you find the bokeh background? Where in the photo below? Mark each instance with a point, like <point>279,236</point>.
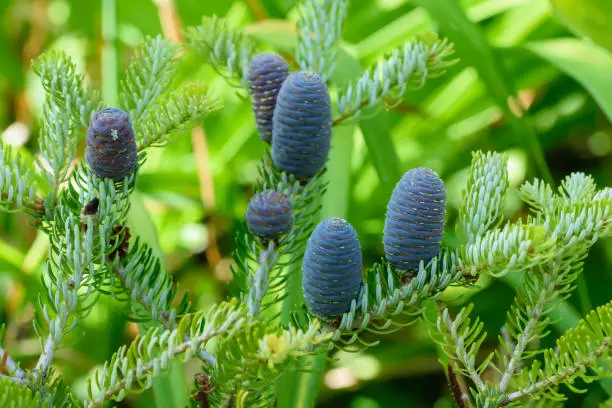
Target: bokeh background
<point>191,196</point>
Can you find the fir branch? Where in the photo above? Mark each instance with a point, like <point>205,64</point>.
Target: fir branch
<point>9,365</point>
<point>251,361</point>
<point>227,50</point>
<point>149,286</point>
<point>577,351</point>
<point>261,273</point>
<point>66,273</point>
<point>408,66</point>
<point>461,338</point>
<point>58,75</point>
<point>78,254</point>
<point>178,111</point>
<point>58,146</point>
<point>514,247</point>
<point>17,182</point>
<point>319,26</point>
<point>386,304</point>
<point>259,281</point>
<point>133,368</point>
<point>148,76</point>
<point>576,188</point>
<point>540,196</point>
<point>526,318</point>
<point>484,196</point>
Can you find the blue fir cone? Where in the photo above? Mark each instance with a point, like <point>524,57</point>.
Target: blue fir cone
<point>302,125</point>
<point>331,270</point>
<point>111,149</point>
<point>415,220</point>
<point>268,215</point>
<point>267,72</point>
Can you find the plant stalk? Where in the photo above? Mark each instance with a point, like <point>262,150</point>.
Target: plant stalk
<point>109,52</point>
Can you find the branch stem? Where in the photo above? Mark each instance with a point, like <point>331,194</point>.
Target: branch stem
<point>558,377</point>
<point>138,372</point>
<point>109,52</point>
<point>46,357</point>
<point>259,281</point>
<point>530,329</point>
<point>11,365</point>
<point>143,300</point>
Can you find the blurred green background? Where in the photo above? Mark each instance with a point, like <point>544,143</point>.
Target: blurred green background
<point>528,84</point>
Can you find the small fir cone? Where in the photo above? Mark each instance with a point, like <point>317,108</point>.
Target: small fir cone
<point>302,125</point>
<point>267,72</point>
<point>415,220</point>
<point>111,149</point>
<point>331,270</point>
<point>268,215</point>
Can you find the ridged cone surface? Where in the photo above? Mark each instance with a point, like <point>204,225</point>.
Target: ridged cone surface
<point>415,219</point>
<point>267,72</point>
<point>302,125</point>
<point>111,149</point>
<point>331,270</point>
<point>268,215</point>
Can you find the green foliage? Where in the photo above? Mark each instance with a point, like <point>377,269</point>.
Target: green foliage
<point>178,111</point>
<point>550,248</point>
<point>484,201</point>
<point>15,395</point>
<point>92,255</point>
<point>407,67</point>
<point>227,50</point>
<point>250,363</point>
<point>85,216</point>
<point>147,77</point>
<point>320,27</point>
<point>58,75</point>
<point>132,369</point>
<point>17,183</point>
<point>576,355</point>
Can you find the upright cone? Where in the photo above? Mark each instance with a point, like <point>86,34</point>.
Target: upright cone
<point>331,268</point>
<point>267,72</point>
<point>415,220</point>
<point>302,125</point>
<point>111,149</point>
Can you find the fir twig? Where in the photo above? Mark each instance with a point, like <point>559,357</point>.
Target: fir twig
<point>408,66</point>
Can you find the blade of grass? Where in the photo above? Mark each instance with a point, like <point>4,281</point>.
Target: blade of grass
<point>169,390</point>
<point>586,63</point>
<point>472,46</point>
<point>589,18</point>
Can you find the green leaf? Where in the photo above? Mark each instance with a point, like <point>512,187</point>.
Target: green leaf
<point>586,63</point>
<point>589,18</point>
<point>472,46</point>
<point>168,390</point>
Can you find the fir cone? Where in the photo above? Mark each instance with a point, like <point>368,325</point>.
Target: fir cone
<point>415,220</point>
<point>302,125</point>
<point>267,73</point>
<point>269,215</point>
<point>111,149</point>
<point>331,269</point>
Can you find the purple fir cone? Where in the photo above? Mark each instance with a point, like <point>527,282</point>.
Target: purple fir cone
<point>269,215</point>
<point>111,149</point>
<point>267,72</point>
<point>415,220</point>
<point>302,125</point>
<point>331,270</point>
